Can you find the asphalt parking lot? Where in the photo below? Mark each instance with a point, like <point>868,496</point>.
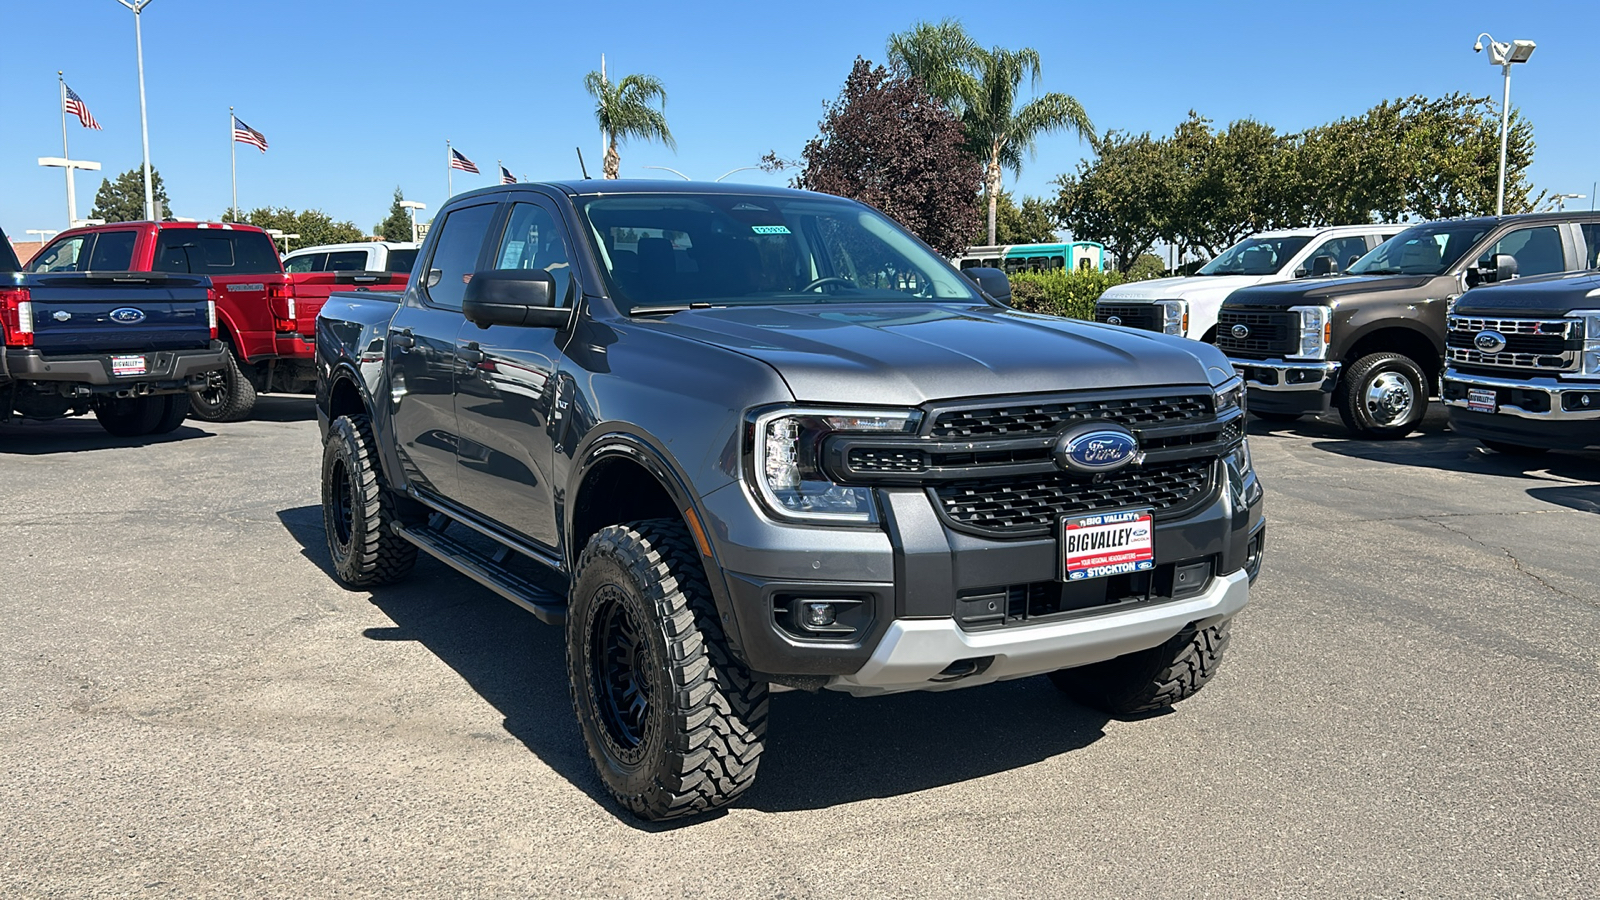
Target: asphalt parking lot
<point>190,705</point>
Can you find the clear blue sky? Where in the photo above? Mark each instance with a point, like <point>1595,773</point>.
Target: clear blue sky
<point>358,97</point>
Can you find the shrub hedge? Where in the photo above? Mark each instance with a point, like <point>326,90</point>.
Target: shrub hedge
<point>1061,292</point>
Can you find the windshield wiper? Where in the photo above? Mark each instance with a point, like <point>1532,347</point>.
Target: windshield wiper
<point>667,309</point>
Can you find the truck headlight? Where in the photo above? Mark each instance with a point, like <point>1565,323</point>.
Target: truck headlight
<point>1229,396</point>
<point>1316,331</point>
<point>1589,364</point>
<point>1174,317</point>
<point>785,461</point>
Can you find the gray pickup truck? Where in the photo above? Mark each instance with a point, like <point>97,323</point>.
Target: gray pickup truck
<point>733,437</point>
<point>131,347</point>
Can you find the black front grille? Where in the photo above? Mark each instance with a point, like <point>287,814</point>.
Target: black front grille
<point>882,459</point>
<point>1032,504</point>
<point>1038,418</point>
<point>1539,344</point>
<point>1145,316</point>
<point>1269,333</point>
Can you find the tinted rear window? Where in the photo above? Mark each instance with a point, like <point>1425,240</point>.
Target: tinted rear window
<point>347,261</point>
<point>113,251</point>
<point>402,261</point>
<point>206,251</point>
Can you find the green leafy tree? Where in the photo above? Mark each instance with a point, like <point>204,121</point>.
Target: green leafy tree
<point>627,109</point>
<point>122,200</point>
<point>1147,266</point>
<point>982,86</point>
<point>313,225</point>
<point>1033,222</point>
<point>397,226</point>
<point>1125,198</point>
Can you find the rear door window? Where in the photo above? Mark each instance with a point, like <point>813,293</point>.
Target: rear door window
<point>113,251</point>
<point>1591,241</point>
<point>309,262</point>
<point>205,251</point>
<point>401,261</point>
<point>1343,251</point>
<point>455,254</point>
<point>346,261</point>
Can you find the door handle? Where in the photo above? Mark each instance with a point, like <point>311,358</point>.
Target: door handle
<point>470,353</point>
<point>402,339</point>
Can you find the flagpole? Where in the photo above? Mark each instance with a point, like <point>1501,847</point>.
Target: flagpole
<point>233,153</point>
<point>72,204</point>
<point>449,184</point>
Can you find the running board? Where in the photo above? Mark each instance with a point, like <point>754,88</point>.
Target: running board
<point>548,606</point>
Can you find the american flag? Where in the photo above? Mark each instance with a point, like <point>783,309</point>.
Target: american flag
<point>457,161</point>
<point>76,106</point>
<point>244,134</point>
<point>506,177</point>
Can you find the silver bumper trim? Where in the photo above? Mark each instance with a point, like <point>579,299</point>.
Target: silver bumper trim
<point>1549,386</point>
<point>914,651</point>
<point>1328,373</point>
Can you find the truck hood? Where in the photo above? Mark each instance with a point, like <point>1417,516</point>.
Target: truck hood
<point>1182,288</point>
<point>906,354</point>
<point>1322,291</point>
<point>1552,295</point>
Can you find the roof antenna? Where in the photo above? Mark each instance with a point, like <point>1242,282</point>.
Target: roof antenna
<point>581,166</point>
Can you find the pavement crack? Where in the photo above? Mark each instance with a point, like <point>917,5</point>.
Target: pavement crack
<point>1515,562</point>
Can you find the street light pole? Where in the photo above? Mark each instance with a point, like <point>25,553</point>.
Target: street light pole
<point>1502,55</point>
<point>144,120</point>
<point>413,205</point>
<point>731,171</point>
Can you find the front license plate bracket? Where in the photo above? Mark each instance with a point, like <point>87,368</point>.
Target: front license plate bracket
<point>1100,545</point>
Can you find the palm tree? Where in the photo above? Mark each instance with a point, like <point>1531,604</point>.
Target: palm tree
<point>981,87</point>
<point>625,109</point>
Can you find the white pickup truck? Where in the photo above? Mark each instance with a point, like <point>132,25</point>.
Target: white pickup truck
<point>1189,306</point>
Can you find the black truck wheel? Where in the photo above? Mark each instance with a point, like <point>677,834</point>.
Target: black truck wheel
<point>230,401</point>
<point>1382,396</point>
<point>1512,449</point>
<point>358,509</point>
<point>674,723</point>
<point>1148,680</point>
<point>129,416</point>
<point>174,409</point>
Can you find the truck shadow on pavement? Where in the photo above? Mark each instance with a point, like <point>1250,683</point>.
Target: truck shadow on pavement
<point>82,433</point>
<point>284,408</point>
<point>1436,447</point>
<point>823,749</point>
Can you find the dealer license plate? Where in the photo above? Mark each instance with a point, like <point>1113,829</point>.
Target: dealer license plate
<point>1481,399</point>
<point>127,365</point>
<point>1107,544</point>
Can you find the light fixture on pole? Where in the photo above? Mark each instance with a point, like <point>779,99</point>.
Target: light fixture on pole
<point>1561,200</point>
<point>144,121</point>
<point>413,205</point>
<point>45,234</point>
<point>61,162</point>
<point>672,170</point>
<point>1504,56</point>
<point>731,171</point>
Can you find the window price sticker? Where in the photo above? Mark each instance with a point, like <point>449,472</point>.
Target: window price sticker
<point>1107,544</point>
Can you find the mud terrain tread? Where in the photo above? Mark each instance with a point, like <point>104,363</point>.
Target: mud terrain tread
<point>378,555</point>
<point>1149,680</point>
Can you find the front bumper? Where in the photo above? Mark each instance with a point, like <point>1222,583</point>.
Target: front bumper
<point>1284,386</point>
<point>925,593</point>
<point>914,652</point>
<point>1534,412</point>
<point>165,370</point>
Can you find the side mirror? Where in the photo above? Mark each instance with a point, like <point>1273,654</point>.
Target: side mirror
<point>991,281</point>
<point>1300,272</point>
<point>434,277</point>
<point>1323,265</point>
<point>518,297</point>
<point>1503,268</point>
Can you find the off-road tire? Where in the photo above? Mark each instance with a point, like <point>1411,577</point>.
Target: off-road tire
<point>693,742</point>
<point>1512,449</point>
<point>1279,417</point>
<point>358,509</point>
<point>174,409</point>
<point>129,416</point>
<point>231,401</point>
<point>1358,381</point>
<point>1151,680</point>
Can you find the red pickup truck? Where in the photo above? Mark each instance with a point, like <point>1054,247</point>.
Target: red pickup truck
<point>255,301</point>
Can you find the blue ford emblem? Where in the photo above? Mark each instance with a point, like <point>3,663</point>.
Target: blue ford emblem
<point>1096,447</point>
<point>1240,332</point>
<point>1489,341</point>
<point>127,315</point>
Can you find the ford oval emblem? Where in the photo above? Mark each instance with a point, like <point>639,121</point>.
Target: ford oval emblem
<point>1240,332</point>
<point>127,315</point>
<point>1489,341</point>
<point>1096,447</point>
<point>1113,320</point>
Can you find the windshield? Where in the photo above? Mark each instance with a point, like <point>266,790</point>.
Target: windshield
<point>670,250</point>
<point>1255,256</point>
<point>1423,250</point>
